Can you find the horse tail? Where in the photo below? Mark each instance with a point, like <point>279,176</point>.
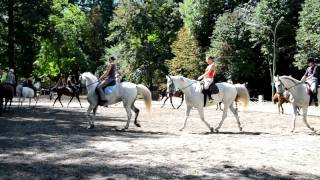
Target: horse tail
<point>242,96</point>
<point>146,94</point>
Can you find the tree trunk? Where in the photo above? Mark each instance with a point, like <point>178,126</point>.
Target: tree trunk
<point>11,35</point>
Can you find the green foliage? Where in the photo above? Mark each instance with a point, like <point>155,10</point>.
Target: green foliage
<point>64,51</point>
<point>199,16</point>
<point>231,42</point>
<point>308,34</point>
<point>142,33</point>
<point>189,58</point>
<point>266,16</point>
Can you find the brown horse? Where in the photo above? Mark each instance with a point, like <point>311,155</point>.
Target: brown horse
<point>7,93</point>
<point>281,99</point>
<point>65,91</point>
<point>170,94</point>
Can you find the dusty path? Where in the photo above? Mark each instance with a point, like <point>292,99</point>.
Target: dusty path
<point>47,143</point>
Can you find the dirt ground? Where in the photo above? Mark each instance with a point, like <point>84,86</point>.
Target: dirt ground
<point>53,143</point>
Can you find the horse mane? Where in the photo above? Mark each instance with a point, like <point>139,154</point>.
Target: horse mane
<point>90,75</point>
<point>290,78</point>
<point>187,78</point>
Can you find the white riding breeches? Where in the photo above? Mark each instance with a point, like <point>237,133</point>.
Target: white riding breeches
<point>313,84</point>
<point>207,82</point>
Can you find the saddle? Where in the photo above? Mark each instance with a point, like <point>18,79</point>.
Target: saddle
<point>108,89</point>
<point>213,89</point>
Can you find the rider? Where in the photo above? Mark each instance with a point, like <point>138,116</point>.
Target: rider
<point>11,78</point>
<point>208,76</point>
<point>61,82</point>
<point>71,84</point>
<point>311,76</point>
<point>107,77</point>
<point>28,82</point>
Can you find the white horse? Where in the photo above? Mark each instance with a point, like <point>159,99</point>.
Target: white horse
<point>228,93</point>
<point>300,97</point>
<point>26,92</point>
<point>126,92</point>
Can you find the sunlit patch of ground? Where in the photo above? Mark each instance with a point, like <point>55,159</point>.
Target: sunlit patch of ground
<point>53,143</point>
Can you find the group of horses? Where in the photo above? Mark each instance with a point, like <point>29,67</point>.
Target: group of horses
<point>7,92</point>
<point>191,90</point>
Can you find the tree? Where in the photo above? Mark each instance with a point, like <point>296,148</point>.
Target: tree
<point>143,33</point>
<point>64,49</point>
<point>266,16</point>
<point>189,58</point>
<point>308,34</point>
<point>231,42</point>
<point>23,22</point>
<point>200,16</point>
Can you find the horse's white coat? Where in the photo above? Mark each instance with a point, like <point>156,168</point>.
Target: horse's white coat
<point>126,92</point>
<point>228,93</point>
<point>300,97</point>
<point>26,92</point>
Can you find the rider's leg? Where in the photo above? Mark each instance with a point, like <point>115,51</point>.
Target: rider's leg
<point>100,90</point>
<point>314,90</point>
<point>207,83</point>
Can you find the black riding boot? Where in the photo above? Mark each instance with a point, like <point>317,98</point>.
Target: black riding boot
<point>315,97</point>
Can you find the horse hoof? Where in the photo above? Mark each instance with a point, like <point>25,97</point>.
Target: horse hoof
<point>211,130</point>
<point>217,130</point>
<point>240,129</point>
<point>137,124</point>
<point>91,126</point>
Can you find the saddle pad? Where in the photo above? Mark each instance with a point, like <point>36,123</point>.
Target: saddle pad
<point>108,90</point>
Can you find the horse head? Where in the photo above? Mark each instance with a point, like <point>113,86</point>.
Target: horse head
<point>278,85</point>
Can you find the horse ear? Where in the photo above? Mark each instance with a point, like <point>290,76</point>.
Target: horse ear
<point>181,78</point>
<point>167,77</point>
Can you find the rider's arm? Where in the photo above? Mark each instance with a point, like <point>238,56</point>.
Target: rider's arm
<point>206,73</point>
<point>105,74</point>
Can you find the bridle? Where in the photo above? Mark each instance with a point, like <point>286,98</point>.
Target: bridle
<point>183,87</point>
<point>89,84</point>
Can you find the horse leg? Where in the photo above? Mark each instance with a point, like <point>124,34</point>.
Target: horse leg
<point>59,98</point>
<point>10,103</point>
<point>224,115</point>
<point>55,101</point>
<point>129,115</point>
<point>201,113</point>
<point>165,101</point>
<point>236,115</point>
<point>70,101</point>
<point>281,108</point>
<point>29,102</point>
<point>36,99</point>
<point>171,102</point>
<point>136,111</point>
<point>181,101</point>
<point>90,120</point>
<point>187,116</point>
<point>5,104</point>
<point>305,111</point>
<point>77,96</point>
<point>294,117</point>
